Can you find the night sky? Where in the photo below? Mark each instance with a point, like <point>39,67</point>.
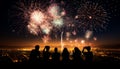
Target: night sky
<point>13,30</point>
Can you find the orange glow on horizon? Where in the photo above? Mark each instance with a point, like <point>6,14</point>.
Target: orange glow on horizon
<point>29,45</point>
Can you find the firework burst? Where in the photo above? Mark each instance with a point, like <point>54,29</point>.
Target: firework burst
<point>91,16</point>
<point>38,21</point>
<point>54,22</point>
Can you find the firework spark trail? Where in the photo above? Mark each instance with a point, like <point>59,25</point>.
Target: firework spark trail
<point>46,38</point>
<point>62,45</point>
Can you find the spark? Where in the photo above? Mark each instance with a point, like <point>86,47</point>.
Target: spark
<point>46,38</point>
<point>94,38</point>
<point>82,41</point>
<point>54,11</point>
<point>63,13</point>
<point>88,34</point>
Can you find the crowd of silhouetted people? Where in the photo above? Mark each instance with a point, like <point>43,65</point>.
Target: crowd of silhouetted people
<point>46,57</point>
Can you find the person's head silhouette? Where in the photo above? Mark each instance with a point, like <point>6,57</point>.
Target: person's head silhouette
<point>47,48</point>
<point>55,50</point>
<point>37,47</point>
<point>88,48</point>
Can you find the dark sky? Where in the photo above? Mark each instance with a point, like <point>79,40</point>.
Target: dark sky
<point>11,31</point>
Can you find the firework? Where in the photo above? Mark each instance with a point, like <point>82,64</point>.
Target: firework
<point>91,16</point>
<point>32,13</point>
<point>37,16</point>
<point>88,34</point>
<point>55,22</point>
<point>33,28</point>
<point>40,22</point>
<point>55,12</point>
<point>58,22</point>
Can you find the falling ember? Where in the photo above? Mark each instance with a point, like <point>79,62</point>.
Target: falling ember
<point>76,16</point>
<point>67,38</point>
<point>46,38</point>
<point>74,32</point>
<point>33,28</point>
<point>75,40</point>
<point>68,34</point>
<point>90,17</point>
<point>88,34</point>
<point>82,41</point>
<point>63,13</point>
<point>94,38</point>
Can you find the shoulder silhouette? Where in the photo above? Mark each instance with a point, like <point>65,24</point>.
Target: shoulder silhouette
<point>76,55</point>
<point>46,54</point>
<point>65,56</point>
<point>88,54</point>
<point>35,55</point>
<point>56,56</point>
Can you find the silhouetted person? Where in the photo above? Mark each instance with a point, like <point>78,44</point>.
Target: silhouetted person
<point>55,56</point>
<point>65,56</point>
<point>88,54</point>
<point>0,53</point>
<point>46,55</point>
<point>76,55</point>
<point>6,60</point>
<point>35,55</point>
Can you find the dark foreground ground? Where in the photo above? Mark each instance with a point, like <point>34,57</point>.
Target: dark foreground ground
<point>101,58</point>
